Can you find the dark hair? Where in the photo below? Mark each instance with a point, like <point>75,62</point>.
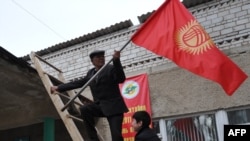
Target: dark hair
<point>142,116</point>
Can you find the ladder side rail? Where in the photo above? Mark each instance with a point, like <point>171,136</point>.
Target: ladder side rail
<point>81,120</point>
<point>61,78</point>
<point>69,123</point>
<point>46,62</point>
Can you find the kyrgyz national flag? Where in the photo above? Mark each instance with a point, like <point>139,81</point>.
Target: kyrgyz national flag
<point>172,32</point>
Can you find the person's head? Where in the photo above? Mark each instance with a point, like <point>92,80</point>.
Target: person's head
<point>140,119</point>
<point>97,58</point>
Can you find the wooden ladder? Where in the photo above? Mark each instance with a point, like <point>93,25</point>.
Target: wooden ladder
<point>66,117</point>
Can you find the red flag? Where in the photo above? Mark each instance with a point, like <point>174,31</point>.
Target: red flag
<point>135,92</point>
<point>172,32</point>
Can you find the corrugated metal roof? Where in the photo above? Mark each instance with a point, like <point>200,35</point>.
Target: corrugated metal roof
<point>192,3</point>
<point>113,28</point>
<point>105,31</point>
<point>187,3</point>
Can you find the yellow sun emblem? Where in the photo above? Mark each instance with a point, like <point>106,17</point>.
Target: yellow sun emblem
<point>192,38</point>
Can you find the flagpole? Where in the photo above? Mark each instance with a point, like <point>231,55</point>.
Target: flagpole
<point>91,79</point>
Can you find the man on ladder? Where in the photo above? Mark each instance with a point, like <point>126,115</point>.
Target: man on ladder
<point>108,101</point>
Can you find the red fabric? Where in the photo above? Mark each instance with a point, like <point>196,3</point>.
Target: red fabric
<point>172,32</point>
<point>135,92</point>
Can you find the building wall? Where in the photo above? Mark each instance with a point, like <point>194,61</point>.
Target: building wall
<point>174,91</point>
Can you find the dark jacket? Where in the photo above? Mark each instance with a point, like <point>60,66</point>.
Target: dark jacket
<point>104,88</point>
<point>146,134</point>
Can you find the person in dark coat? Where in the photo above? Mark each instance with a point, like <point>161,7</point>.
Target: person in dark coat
<point>108,101</point>
<point>140,123</point>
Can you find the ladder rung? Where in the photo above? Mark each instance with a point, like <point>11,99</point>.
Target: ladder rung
<point>80,104</point>
<point>73,117</point>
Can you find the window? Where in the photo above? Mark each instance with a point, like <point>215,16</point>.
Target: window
<point>156,127</point>
<point>199,128</point>
<point>204,127</point>
<point>239,116</point>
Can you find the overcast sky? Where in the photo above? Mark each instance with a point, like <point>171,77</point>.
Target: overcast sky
<point>33,25</point>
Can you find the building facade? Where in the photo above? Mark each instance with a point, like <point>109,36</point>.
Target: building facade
<point>184,106</point>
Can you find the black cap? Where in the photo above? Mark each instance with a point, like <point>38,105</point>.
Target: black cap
<point>96,52</point>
